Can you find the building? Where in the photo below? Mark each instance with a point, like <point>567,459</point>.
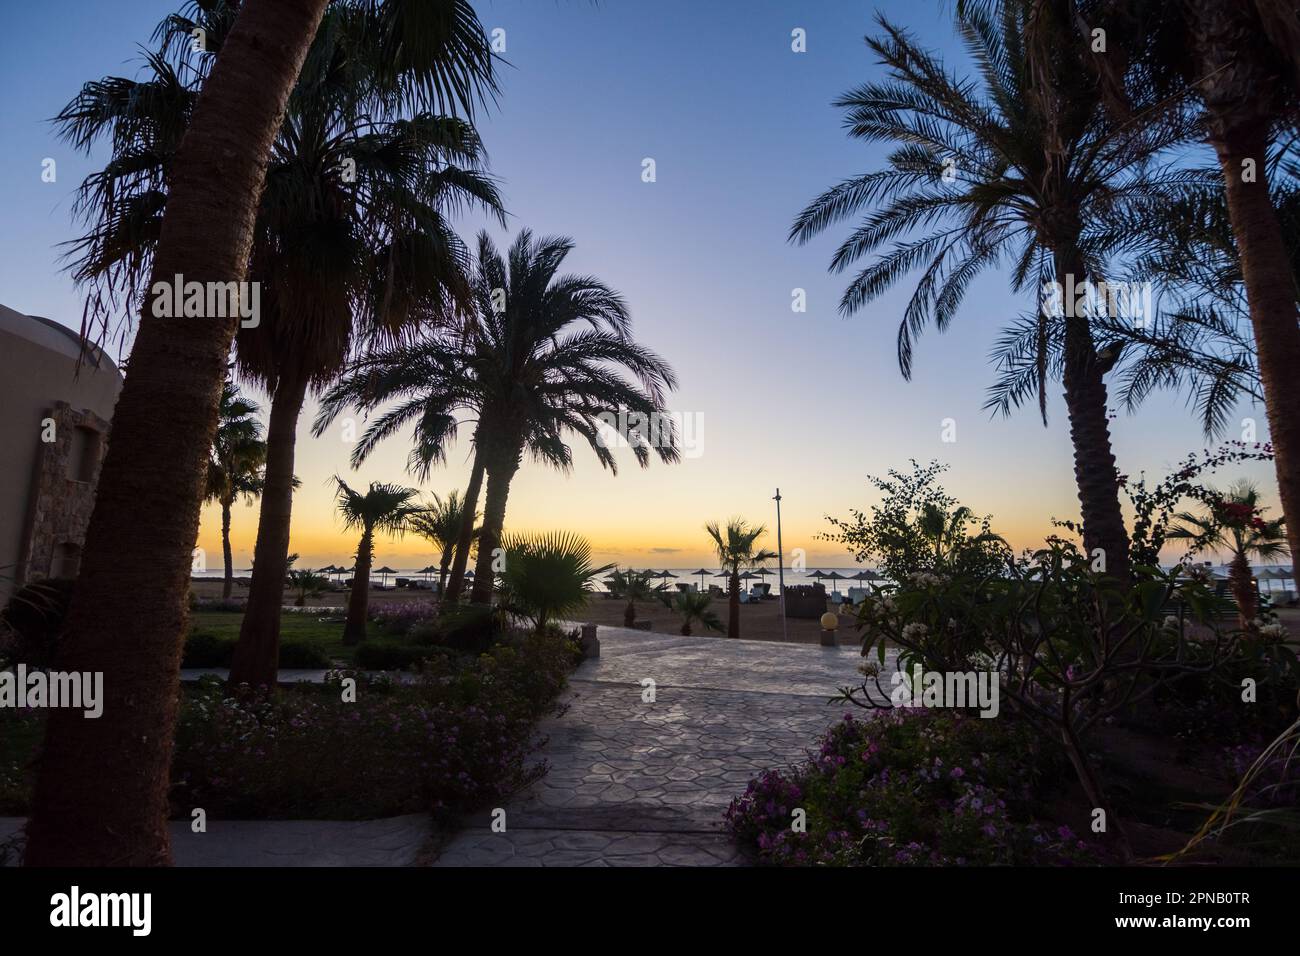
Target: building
<point>54,431</point>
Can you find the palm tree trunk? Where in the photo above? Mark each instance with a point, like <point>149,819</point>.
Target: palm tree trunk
<point>500,474</point>
<point>629,614</point>
<point>1242,584</point>
<point>461,561</point>
<point>354,631</point>
<point>1271,295</point>
<point>228,582</point>
<point>257,654</point>
<point>733,605</point>
<point>1095,475</point>
<point>443,566</point>
<point>101,786</point>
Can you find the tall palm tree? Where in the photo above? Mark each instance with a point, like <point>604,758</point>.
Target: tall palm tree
<point>235,466</point>
<point>440,525</point>
<point>1234,522</point>
<point>101,794</point>
<point>735,547</point>
<point>351,243</point>
<point>1021,164</point>
<point>383,508</point>
<point>527,373</point>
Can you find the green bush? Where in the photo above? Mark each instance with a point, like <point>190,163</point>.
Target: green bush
<point>457,738</point>
<point>204,649</point>
<point>389,655</point>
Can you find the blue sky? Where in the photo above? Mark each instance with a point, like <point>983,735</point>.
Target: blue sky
<point>743,135</point>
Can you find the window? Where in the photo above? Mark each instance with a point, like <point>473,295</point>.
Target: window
<point>83,456</point>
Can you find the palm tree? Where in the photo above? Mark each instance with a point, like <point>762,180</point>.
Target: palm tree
<point>734,546</point>
<point>101,795</point>
<point>234,466</point>
<point>693,606</point>
<point>526,375</point>
<point>351,244</point>
<point>305,584</point>
<point>1022,165</point>
<point>1234,522</point>
<point>440,525</point>
<point>386,509</point>
<point>635,586</point>
<point>547,576</point>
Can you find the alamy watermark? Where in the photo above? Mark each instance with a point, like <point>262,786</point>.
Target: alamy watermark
<point>1131,300</point>
<point>958,689</point>
<point>38,689</point>
<point>656,429</point>
<point>208,300</point>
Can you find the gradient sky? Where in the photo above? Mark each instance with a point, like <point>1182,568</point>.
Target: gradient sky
<point>743,135</point>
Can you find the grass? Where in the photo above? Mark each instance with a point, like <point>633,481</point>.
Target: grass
<point>303,628</point>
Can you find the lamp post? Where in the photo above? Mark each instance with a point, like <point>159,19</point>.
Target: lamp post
<point>780,565</point>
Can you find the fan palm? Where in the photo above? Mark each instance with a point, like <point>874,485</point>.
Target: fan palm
<point>384,508</point>
<point>528,373</point>
<point>305,584</point>
<point>101,793</point>
<point>693,606</point>
<point>234,465</point>
<point>1234,522</point>
<point>635,586</point>
<point>440,525</point>
<point>547,576</point>
<point>1021,165</point>
<point>735,548</point>
<point>351,243</point>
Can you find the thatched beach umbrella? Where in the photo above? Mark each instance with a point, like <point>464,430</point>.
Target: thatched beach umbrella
<point>833,577</point>
<point>383,573</point>
<point>702,573</point>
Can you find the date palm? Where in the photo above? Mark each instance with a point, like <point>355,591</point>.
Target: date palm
<point>440,525</point>
<point>235,466</point>
<point>546,356</point>
<point>1019,164</point>
<point>735,546</point>
<point>1233,522</point>
<point>384,509</point>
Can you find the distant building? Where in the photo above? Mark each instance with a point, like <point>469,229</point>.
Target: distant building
<point>53,432</point>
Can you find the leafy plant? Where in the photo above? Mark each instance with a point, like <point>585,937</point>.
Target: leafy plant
<point>635,586</point>
<point>306,584</point>
<point>918,527</point>
<point>693,606</point>
<point>547,576</point>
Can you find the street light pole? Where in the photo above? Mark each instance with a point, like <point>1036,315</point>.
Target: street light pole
<point>780,564</point>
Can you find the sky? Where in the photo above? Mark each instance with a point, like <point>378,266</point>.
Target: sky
<point>743,135</point>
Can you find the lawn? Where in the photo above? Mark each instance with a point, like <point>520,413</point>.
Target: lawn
<point>323,631</point>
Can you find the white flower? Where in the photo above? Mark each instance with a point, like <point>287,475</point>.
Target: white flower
<point>914,631</point>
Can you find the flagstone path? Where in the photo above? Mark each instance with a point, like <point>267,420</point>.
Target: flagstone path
<point>634,782</point>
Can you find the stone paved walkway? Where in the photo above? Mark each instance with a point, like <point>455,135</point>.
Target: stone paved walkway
<point>634,783</point>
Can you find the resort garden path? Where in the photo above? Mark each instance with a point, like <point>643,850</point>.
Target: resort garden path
<point>641,779</point>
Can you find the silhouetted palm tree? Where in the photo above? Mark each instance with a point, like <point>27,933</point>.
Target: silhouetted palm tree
<point>547,576</point>
<point>528,374</point>
<point>383,508</point>
<point>1234,522</point>
<point>734,546</point>
<point>1022,164</point>
<point>235,465</point>
<point>440,525</point>
<point>101,795</point>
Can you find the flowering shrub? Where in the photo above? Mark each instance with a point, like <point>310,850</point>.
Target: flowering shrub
<point>907,788</point>
<point>458,736</point>
<point>398,617</point>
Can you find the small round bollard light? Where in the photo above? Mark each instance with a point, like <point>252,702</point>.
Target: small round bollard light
<point>829,621</point>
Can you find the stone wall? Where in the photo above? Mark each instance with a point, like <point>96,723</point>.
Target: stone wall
<point>63,493</point>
